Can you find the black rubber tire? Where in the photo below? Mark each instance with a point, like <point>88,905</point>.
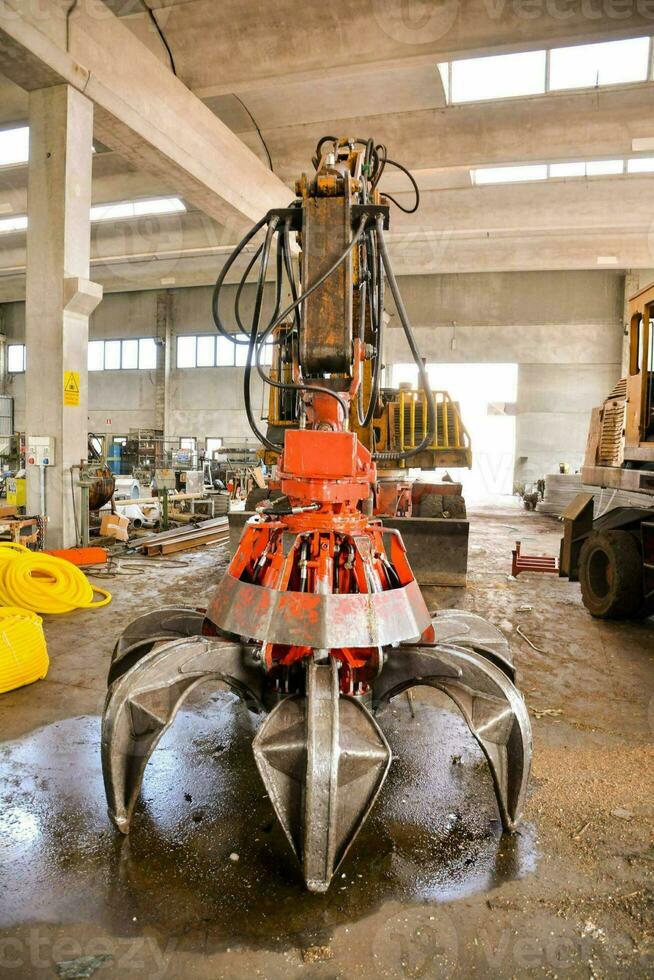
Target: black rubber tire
<point>611,575</point>
<point>255,497</point>
<point>455,506</point>
<point>431,505</point>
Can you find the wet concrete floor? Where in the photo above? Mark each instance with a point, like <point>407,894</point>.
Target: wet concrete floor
<point>431,888</point>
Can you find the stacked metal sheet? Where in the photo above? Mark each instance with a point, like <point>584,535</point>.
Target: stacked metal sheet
<point>562,488</point>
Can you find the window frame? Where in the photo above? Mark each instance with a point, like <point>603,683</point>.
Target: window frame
<point>24,358</point>
<point>120,340</point>
<point>238,352</point>
<point>446,70</point>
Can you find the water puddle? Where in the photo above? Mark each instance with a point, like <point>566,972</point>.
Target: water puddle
<point>433,835</point>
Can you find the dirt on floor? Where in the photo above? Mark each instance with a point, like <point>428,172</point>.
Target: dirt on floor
<point>205,885</point>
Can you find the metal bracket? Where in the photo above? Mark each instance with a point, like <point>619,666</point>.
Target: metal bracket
<point>292,215</point>
<point>370,212</point>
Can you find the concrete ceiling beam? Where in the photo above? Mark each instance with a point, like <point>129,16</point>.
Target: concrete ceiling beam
<point>141,110</point>
<point>562,126</point>
<point>257,42</point>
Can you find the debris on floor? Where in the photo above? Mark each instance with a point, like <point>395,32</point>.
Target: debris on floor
<point>82,966</point>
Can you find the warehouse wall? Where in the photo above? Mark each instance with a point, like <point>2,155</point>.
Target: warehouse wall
<point>564,330</point>
<point>202,402</point>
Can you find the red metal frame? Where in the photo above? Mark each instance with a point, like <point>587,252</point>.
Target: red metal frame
<point>532,563</point>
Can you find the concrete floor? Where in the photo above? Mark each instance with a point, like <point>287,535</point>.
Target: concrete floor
<point>430,888</point>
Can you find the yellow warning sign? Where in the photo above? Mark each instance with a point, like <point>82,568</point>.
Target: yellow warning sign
<point>71,387</point>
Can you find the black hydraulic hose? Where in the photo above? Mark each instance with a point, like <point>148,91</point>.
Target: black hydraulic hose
<point>375,305</point>
<point>290,275</point>
<point>278,274</point>
<point>422,370</point>
<point>381,163</point>
<point>222,329</point>
<point>319,146</point>
<point>256,316</point>
<point>416,189</point>
<point>362,331</point>
<point>291,386</point>
<point>237,303</point>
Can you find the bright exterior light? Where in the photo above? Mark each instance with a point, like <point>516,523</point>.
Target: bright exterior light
<point>498,77</point>
<point>110,212</point>
<point>14,146</point>
<point>444,72</point>
<point>568,169</point>
<point>186,352</point>
<point>96,355</point>
<point>640,165</point>
<point>525,73</point>
<point>608,63</point>
<point>136,209</point>
<point>15,358</point>
<point>577,168</point>
<point>13,224</point>
<point>509,175</point>
<point>602,168</point>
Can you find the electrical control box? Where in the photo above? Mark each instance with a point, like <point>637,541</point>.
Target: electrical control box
<point>16,492</point>
<point>40,450</point>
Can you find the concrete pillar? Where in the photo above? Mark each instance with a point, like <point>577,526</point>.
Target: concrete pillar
<point>59,296</point>
<point>164,328</point>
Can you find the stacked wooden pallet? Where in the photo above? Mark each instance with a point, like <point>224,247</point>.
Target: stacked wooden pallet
<point>215,531</point>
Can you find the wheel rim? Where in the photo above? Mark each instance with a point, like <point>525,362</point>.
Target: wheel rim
<point>600,574</point>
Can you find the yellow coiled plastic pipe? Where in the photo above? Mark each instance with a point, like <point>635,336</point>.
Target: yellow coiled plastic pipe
<point>23,653</point>
<point>43,583</point>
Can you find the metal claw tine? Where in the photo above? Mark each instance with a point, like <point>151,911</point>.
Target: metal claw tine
<point>166,623</point>
<point>143,702</point>
<point>493,708</point>
<point>323,760</point>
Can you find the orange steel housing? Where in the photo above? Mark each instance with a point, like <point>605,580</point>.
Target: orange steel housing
<point>336,550</point>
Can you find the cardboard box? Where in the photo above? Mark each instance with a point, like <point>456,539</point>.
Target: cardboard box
<point>114,526</point>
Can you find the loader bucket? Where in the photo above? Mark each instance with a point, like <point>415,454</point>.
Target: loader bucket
<point>437,548</point>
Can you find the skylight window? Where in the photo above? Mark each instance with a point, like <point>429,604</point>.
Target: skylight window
<point>640,165</point>
<point>444,72</point>
<point>608,63</point>
<point>13,224</point>
<point>602,168</point>
<point>498,77</point>
<point>527,73</point>
<point>545,171</point>
<point>14,146</point>
<point>568,169</point>
<point>111,212</point>
<point>136,209</point>
<point>509,175</point>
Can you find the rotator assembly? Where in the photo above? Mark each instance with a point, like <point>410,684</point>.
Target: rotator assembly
<point>318,621</point>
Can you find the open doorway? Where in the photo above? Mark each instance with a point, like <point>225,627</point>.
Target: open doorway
<point>486,394</point>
